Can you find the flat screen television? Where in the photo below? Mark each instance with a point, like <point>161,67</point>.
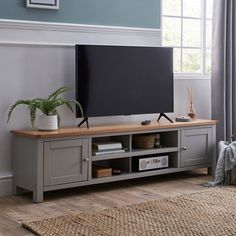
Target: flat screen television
<point>124,80</point>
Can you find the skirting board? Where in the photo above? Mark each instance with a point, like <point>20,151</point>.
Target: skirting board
<point>6,185</point>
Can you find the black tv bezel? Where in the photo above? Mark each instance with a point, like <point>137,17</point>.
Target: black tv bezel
<point>78,113</point>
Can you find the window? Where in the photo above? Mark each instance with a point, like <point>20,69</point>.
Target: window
<point>187,28</point>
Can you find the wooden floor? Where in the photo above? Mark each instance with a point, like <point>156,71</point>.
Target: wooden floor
<point>17,209</point>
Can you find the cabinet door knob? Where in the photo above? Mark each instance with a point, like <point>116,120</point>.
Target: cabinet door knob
<point>86,159</point>
<point>184,148</point>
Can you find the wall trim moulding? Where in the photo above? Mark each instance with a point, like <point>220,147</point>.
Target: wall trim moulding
<point>63,34</point>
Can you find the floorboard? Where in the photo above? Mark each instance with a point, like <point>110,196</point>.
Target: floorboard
<point>17,209</point>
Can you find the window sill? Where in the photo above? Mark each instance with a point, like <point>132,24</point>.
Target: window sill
<point>191,76</point>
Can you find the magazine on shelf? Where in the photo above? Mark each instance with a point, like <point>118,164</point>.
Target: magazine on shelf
<point>97,153</point>
<point>108,145</point>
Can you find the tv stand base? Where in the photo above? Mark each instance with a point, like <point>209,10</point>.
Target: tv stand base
<point>84,120</point>
<point>165,116</point>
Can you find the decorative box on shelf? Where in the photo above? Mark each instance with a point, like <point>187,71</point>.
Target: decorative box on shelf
<point>100,171</point>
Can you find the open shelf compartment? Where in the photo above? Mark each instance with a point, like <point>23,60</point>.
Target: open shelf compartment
<point>124,165</point>
<point>167,140</point>
<point>123,139</point>
<point>163,161</point>
<point>110,147</point>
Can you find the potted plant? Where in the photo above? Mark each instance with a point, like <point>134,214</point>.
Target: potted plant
<point>50,118</point>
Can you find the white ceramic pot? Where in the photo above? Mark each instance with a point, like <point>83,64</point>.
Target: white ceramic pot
<point>47,122</point>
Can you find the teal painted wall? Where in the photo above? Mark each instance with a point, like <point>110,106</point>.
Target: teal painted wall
<point>129,13</point>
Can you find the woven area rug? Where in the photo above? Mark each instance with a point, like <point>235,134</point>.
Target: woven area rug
<point>211,212</point>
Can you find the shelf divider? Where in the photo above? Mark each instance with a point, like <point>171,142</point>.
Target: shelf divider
<point>135,152</point>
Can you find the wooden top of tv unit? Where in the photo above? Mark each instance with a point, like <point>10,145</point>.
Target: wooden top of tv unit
<point>110,129</point>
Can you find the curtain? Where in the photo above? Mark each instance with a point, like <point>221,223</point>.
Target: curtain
<point>224,68</point>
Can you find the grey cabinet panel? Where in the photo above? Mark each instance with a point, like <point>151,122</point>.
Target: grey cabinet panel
<point>195,146</point>
<point>65,161</point>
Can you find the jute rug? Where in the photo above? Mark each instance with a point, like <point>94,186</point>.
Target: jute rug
<point>211,213</point>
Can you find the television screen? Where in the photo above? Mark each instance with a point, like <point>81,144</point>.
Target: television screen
<point>124,80</point>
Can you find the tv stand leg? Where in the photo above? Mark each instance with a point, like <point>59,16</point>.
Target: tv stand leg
<point>38,196</point>
<point>165,116</point>
<point>84,120</point>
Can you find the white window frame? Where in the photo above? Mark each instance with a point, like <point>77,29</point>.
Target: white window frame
<point>203,18</point>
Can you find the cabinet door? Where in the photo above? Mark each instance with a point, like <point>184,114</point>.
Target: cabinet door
<point>65,161</point>
<point>195,146</point>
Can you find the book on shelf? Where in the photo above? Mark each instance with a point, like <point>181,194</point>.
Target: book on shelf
<point>108,145</point>
<point>112,151</point>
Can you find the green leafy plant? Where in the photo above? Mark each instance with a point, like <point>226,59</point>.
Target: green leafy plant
<point>47,106</point>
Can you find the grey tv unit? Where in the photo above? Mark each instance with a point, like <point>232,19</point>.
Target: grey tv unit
<point>45,161</point>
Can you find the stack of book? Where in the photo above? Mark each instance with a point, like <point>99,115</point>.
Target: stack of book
<point>108,147</point>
